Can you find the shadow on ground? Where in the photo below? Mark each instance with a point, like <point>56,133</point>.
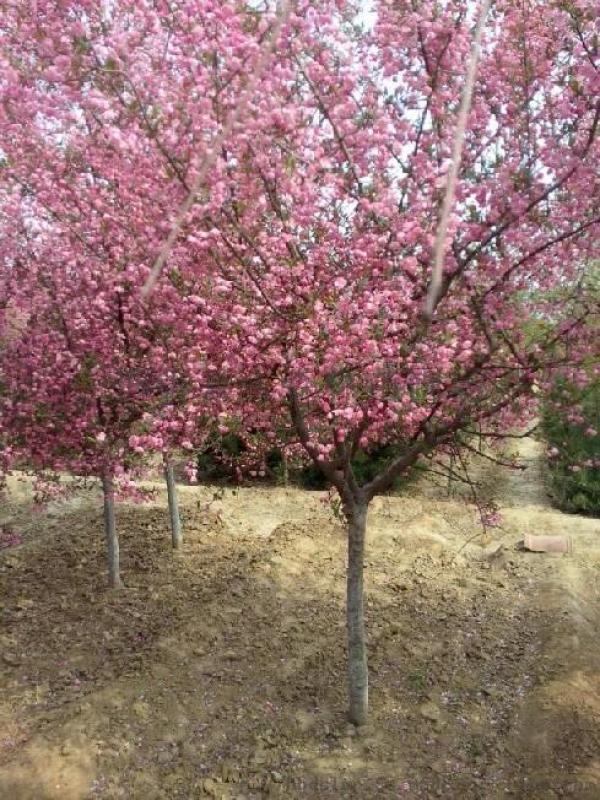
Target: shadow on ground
<point>219,672</point>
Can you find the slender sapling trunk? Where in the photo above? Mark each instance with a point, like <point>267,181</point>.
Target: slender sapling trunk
<point>358,676</point>
<point>452,460</point>
<point>176,531</point>
<point>286,471</point>
<point>110,532</point>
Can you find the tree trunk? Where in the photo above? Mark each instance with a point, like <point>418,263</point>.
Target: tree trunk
<point>176,532</point>
<point>358,676</point>
<point>286,472</point>
<point>110,532</point>
<point>449,489</point>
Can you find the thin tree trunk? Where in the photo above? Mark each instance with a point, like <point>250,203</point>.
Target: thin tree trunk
<point>176,531</point>
<point>286,472</point>
<point>358,676</point>
<point>110,532</point>
<point>449,489</point>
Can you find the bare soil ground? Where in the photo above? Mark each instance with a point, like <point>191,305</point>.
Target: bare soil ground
<point>219,672</point>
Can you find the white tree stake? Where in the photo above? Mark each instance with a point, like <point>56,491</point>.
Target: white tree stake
<point>457,149</point>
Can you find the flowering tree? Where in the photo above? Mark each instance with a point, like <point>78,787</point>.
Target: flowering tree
<point>97,150</point>
<point>297,270</point>
<point>79,373</point>
<point>331,218</point>
<point>91,359</point>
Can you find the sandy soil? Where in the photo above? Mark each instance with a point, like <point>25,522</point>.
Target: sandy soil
<point>219,672</point>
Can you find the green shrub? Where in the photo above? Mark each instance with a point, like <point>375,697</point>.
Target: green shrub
<point>366,465</point>
<point>574,447</point>
<point>216,463</point>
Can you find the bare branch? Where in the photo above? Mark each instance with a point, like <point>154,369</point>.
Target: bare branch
<point>495,435</point>
<point>498,461</point>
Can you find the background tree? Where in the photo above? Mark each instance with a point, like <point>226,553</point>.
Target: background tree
<point>80,373</point>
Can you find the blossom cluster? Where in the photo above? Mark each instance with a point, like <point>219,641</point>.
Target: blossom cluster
<point>291,302</point>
